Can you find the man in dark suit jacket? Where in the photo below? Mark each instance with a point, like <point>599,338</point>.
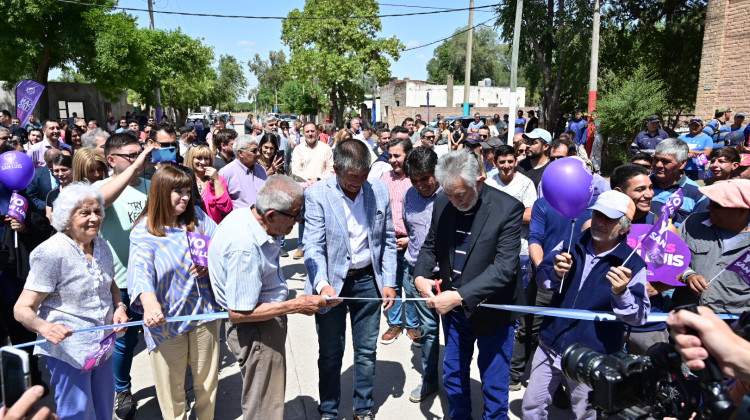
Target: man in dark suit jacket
<point>475,239</point>
<point>42,183</point>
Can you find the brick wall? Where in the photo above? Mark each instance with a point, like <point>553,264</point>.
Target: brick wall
<point>396,115</point>
<point>724,61</point>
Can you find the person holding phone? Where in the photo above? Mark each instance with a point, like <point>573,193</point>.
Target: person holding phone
<point>70,287</point>
<point>271,158</point>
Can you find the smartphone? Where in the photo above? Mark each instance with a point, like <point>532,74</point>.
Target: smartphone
<point>165,154</point>
<point>14,364</point>
<point>280,154</point>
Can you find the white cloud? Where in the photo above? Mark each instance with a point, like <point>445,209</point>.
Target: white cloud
<point>245,43</point>
<point>412,44</point>
<point>421,56</point>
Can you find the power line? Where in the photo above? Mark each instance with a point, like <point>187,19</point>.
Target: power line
<point>165,12</point>
<point>448,37</point>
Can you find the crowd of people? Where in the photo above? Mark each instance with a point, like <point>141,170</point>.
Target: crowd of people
<point>453,214</point>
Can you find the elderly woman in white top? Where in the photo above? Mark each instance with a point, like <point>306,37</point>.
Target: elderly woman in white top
<point>70,288</point>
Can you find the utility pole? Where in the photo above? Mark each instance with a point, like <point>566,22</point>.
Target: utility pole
<point>157,90</point>
<point>514,73</point>
<point>594,70</point>
<point>467,75</point>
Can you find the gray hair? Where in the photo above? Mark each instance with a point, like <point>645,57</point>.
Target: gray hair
<point>70,199</point>
<point>458,163</point>
<point>278,193</point>
<point>426,131</point>
<point>351,154</point>
<point>267,119</point>
<point>88,139</point>
<point>243,141</point>
<point>625,222</point>
<point>675,147</point>
<point>4,130</point>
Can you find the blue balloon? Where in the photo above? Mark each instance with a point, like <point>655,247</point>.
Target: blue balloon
<point>16,170</point>
<point>567,184</point>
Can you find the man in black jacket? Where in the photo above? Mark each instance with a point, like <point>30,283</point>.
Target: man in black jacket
<point>475,239</point>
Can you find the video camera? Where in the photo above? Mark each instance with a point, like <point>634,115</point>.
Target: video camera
<point>626,386</point>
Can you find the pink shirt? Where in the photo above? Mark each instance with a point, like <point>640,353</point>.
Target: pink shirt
<point>397,187</point>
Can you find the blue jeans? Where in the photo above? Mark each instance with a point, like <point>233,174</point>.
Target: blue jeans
<point>82,395</point>
<point>125,347</point>
<point>331,328</point>
<point>495,352</point>
<point>430,321</point>
<point>301,229</point>
<point>395,313</point>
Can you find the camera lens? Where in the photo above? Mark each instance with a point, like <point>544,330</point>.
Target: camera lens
<point>579,363</point>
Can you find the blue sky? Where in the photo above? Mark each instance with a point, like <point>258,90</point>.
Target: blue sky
<point>243,38</point>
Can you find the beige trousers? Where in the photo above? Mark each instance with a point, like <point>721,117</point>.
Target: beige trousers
<point>199,348</point>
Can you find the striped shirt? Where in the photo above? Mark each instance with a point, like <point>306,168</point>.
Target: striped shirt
<point>397,186</point>
<point>243,262</point>
<point>464,220</point>
<point>161,265</point>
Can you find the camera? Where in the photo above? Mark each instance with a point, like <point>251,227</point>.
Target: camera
<point>626,386</point>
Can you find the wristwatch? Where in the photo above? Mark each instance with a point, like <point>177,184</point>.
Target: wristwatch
<point>122,305</point>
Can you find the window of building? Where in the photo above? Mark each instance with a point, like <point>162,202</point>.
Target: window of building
<point>68,108</point>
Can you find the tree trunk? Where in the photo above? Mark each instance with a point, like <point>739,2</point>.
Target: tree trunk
<point>42,76</point>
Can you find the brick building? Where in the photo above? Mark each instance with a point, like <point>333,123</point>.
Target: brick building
<point>724,60</point>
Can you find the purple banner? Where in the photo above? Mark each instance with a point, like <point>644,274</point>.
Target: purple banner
<point>106,347</point>
<point>17,207</point>
<point>741,266</point>
<point>655,240</point>
<point>676,256</point>
<point>198,248</point>
<point>28,93</point>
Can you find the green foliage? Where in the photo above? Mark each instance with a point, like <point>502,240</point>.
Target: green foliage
<point>334,54</point>
<point>622,106</point>
<point>294,98</point>
<point>271,72</point>
<point>230,84</point>
<point>71,76</point>
<point>489,58</point>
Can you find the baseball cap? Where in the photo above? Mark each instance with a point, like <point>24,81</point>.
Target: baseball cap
<point>723,109</point>
<point>539,133</point>
<point>491,143</point>
<point>653,118</point>
<point>473,138</point>
<point>699,120</point>
<point>732,193</point>
<point>740,114</point>
<point>615,204</point>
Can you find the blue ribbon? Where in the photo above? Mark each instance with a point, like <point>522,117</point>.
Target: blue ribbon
<point>535,310</point>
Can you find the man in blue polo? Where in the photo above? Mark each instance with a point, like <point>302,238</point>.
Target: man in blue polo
<point>670,158</point>
<point>718,128</point>
<point>647,140</point>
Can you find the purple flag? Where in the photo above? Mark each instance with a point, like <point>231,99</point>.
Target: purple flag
<point>741,266</point>
<point>655,241</point>
<point>105,349</point>
<point>28,93</point>
<point>17,207</point>
<point>198,248</point>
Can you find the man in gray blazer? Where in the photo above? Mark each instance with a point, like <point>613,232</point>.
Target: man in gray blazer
<point>350,251</point>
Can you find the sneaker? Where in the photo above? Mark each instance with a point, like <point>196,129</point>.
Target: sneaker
<point>125,405</point>
<point>422,391</point>
<point>560,398</point>
<point>514,386</point>
<point>284,254</point>
<point>364,416</point>
<point>415,335</point>
<point>391,334</point>
<point>299,254</point>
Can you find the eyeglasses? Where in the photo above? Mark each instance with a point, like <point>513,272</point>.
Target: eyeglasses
<point>484,136</point>
<point>170,144</point>
<point>254,151</point>
<point>430,137</point>
<point>128,156</point>
<point>293,216</point>
<point>5,138</point>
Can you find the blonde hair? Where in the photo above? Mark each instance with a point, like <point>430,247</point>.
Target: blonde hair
<point>85,160</point>
<point>342,135</point>
<point>198,151</point>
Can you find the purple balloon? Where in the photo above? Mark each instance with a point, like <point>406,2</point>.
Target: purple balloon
<point>567,185</point>
<point>16,170</point>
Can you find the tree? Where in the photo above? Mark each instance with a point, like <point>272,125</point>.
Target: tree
<point>44,34</point>
<point>334,53</point>
<point>294,98</point>
<point>489,58</point>
<point>269,72</point>
<point>231,83</point>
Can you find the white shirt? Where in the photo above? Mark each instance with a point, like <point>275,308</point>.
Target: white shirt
<point>356,223</point>
<point>522,189</point>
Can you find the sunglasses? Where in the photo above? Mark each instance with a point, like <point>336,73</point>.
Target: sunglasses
<point>430,137</point>
<point>165,144</point>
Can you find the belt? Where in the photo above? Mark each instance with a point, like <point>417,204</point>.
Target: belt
<point>359,271</point>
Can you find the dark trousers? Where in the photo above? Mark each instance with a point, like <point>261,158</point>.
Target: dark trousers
<point>331,328</point>
<point>527,337</point>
